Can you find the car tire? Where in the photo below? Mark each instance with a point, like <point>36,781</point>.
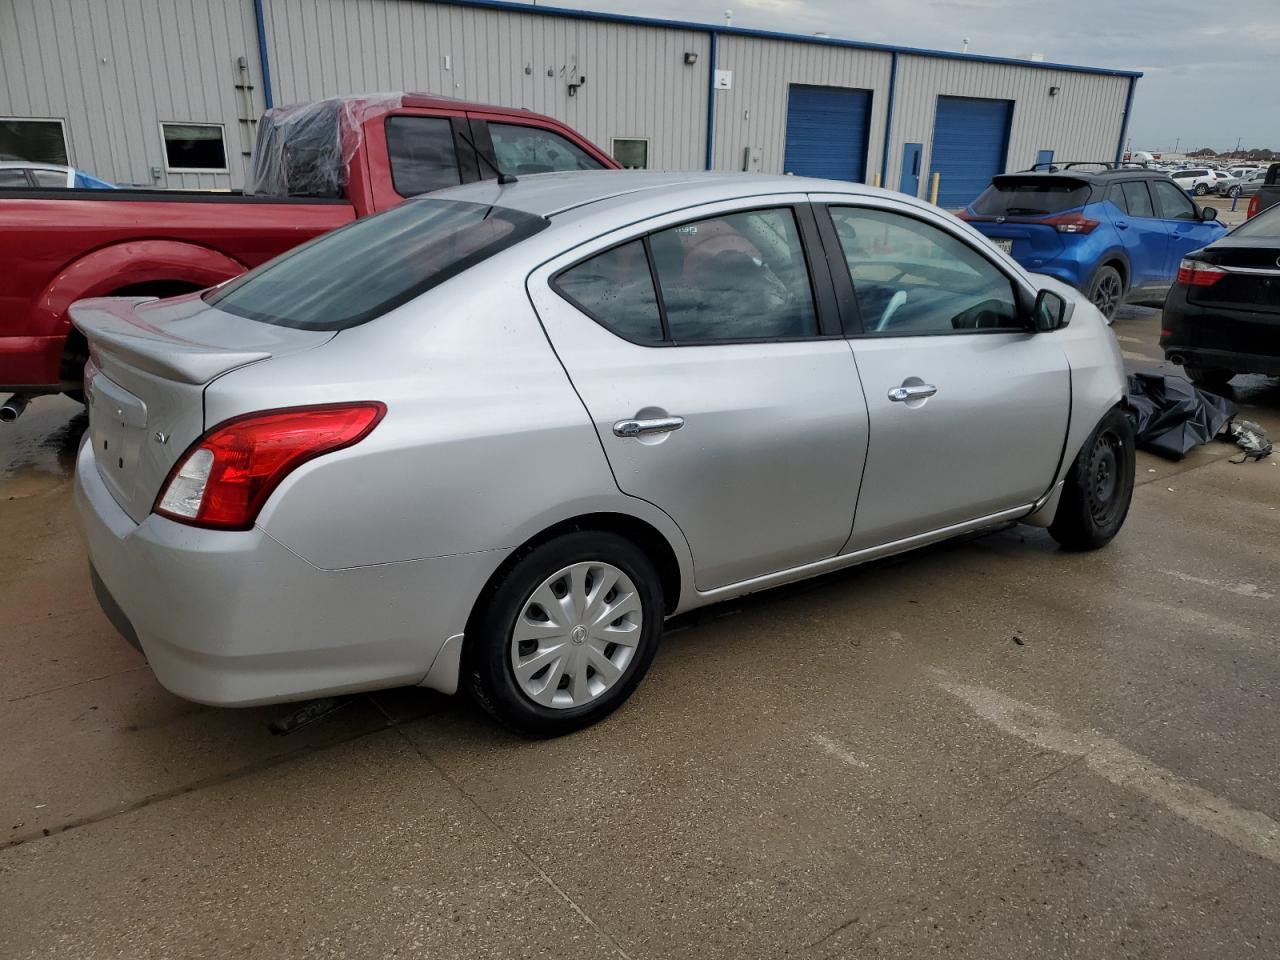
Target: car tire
<point>1098,488</point>
<point>1106,291</point>
<point>577,687</point>
<point>1201,189</point>
<point>1213,377</point>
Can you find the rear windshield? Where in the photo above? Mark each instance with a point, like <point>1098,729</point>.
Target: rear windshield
<point>1030,196</point>
<point>369,267</point>
<point>1265,224</point>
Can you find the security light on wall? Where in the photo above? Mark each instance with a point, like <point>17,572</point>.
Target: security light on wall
<point>1053,91</point>
<point>690,58</point>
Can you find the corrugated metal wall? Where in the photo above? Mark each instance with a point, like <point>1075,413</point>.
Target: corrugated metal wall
<point>638,84</point>
<point>1082,122</point>
<point>113,69</point>
<point>753,113</point>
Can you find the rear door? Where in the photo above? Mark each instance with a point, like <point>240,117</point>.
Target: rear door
<point>1144,235</point>
<point>705,346</point>
<point>1187,231</point>
<point>968,410</point>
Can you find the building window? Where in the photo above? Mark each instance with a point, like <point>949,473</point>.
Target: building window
<point>631,152</point>
<point>194,147</point>
<point>39,141</point>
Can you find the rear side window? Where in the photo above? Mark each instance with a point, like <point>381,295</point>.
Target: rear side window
<point>422,155</point>
<point>50,178</point>
<point>363,270</point>
<point>520,149</point>
<point>615,288</point>
<point>1031,197</point>
<point>1137,201</point>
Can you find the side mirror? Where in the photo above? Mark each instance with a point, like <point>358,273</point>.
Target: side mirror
<point>1208,213</point>
<point>1050,312</point>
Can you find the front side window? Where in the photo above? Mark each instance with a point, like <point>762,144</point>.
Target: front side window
<point>615,288</point>
<point>913,278</point>
<point>519,149</point>
<point>1171,203</point>
<point>369,267</point>
<point>740,276</point>
<point>194,147</point>
<point>1137,200</point>
<point>37,141</point>
<point>422,154</point>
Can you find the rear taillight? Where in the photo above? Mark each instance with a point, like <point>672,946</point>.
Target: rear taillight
<point>1195,273</point>
<point>226,476</point>
<point>1254,203</point>
<point>1071,223</point>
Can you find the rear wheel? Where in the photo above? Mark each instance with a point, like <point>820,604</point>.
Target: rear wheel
<point>1201,189</point>
<point>567,635</point>
<point>1209,376</point>
<point>1098,487</point>
<point>1106,290</point>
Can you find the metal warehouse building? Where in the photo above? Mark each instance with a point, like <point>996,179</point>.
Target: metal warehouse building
<point>167,92</point>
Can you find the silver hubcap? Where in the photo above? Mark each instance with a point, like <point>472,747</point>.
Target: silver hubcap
<point>576,635</point>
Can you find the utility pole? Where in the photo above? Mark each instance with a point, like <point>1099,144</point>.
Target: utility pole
<point>1239,140</point>
<point>1177,143</point>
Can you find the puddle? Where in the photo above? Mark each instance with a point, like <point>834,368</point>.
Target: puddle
<point>38,450</point>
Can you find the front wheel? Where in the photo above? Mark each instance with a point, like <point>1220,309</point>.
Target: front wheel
<point>1106,291</point>
<point>1098,487</point>
<point>567,635</point>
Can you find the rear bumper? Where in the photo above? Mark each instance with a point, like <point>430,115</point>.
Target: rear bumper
<point>1240,340</point>
<point>236,619</point>
<point>30,364</point>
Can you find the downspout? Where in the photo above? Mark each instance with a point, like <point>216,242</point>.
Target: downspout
<point>1124,124</point>
<point>711,99</point>
<point>264,62</point>
<point>888,122</point>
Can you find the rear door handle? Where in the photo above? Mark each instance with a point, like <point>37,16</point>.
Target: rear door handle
<point>643,428</point>
<point>1122,224</point>
<point>917,392</point>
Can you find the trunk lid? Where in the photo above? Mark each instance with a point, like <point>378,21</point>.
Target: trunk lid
<point>150,361</point>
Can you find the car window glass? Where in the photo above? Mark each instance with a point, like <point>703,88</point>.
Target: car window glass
<point>1116,196</point>
<point>1137,200</point>
<point>369,267</point>
<point>913,278</point>
<point>13,178</point>
<point>521,149</point>
<point>1171,202</point>
<point>50,178</point>
<point>421,154</point>
<point>742,276</point>
<point>616,289</point>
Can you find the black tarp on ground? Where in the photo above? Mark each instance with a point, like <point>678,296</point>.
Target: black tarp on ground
<point>1171,415</point>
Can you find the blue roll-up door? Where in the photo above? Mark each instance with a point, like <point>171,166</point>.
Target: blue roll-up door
<point>970,145</point>
<point>827,132</point>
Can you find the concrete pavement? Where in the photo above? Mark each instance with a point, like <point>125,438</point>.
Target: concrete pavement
<point>987,749</point>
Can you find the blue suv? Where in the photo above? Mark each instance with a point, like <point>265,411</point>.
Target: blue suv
<point>1116,234</point>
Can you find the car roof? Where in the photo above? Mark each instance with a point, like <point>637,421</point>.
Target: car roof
<point>1096,177</point>
<point>552,194</point>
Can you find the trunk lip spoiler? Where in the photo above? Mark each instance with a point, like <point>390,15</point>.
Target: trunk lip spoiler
<point>112,323</point>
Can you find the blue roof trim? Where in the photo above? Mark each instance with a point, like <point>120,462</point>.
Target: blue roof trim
<point>263,60</point>
<point>513,7</point>
<point>1124,124</point>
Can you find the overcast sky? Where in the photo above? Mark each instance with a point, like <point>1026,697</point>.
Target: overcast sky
<point>1211,69</point>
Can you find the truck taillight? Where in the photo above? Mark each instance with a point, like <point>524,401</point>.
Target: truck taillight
<point>1253,206</point>
<point>226,476</point>
<point>1071,223</point>
<point>1196,273</point>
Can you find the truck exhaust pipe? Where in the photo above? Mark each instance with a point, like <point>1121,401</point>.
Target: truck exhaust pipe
<point>13,407</point>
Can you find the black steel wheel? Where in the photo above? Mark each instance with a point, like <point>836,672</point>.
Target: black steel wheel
<point>1098,488</point>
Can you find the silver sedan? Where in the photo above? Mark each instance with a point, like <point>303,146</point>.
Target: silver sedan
<point>494,437</point>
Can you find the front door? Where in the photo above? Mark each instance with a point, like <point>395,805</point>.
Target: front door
<point>968,410</point>
<point>723,393</point>
<point>910,182</point>
<point>1187,231</point>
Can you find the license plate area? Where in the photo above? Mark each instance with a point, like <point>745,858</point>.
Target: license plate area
<point>1005,246</point>
<point>117,425</point>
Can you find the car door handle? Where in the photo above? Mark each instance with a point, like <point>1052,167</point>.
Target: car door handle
<point>1122,224</point>
<point>917,392</point>
<point>643,428</point>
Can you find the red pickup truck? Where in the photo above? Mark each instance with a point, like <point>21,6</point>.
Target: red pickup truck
<point>315,167</point>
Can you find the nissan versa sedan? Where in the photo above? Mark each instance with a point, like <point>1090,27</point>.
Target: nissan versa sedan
<point>493,437</point>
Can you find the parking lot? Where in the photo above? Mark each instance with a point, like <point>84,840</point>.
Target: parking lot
<point>986,749</point>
